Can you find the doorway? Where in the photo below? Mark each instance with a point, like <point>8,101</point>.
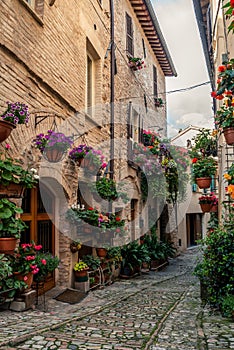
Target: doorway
<point>39,221</point>
<point>194,228</point>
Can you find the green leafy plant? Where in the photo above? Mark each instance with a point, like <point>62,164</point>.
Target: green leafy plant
<point>133,254</point>
<point>216,268</point>
<point>227,306</point>
<point>12,172</point>
<point>46,263</point>
<point>25,258</point>
<point>92,261</point>
<point>203,167</point>
<point>229,9</point>
<point>10,226</point>
<point>205,143</point>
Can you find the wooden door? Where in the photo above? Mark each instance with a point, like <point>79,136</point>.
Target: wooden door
<point>40,227</point>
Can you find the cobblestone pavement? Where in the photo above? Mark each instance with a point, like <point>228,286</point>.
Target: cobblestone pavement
<point>155,311</point>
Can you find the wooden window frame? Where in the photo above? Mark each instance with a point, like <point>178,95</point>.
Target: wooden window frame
<point>129,35</point>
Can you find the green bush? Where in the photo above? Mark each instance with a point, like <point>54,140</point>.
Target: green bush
<point>216,270</point>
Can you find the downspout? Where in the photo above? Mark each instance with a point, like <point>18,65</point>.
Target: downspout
<point>112,95</point>
<point>112,90</point>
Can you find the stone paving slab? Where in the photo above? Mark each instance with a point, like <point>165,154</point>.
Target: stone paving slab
<point>156,311</point>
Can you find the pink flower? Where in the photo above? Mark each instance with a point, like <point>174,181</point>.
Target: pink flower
<point>8,146</point>
<point>38,247</point>
<point>43,261</point>
<point>25,278</point>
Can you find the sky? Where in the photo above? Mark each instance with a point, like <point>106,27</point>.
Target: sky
<point>178,25</point>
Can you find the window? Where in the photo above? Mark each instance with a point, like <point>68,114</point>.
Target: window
<point>89,86</point>
<point>143,46</point>
<point>36,5</point>
<point>155,83</point>
<point>129,35</point>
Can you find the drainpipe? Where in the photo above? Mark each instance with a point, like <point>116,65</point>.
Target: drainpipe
<point>112,91</point>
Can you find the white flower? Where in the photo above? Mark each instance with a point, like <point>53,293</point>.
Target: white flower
<point>36,177</point>
<point>33,170</point>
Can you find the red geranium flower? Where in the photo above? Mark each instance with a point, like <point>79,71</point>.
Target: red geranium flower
<point>213,94</point>
<point>194,160</point>
<point>117,218</point>
<point>222,68</point>
<point>232,3</point>
<point>90,208</point>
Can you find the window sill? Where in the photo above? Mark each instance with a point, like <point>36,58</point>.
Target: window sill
<point>32,12</point>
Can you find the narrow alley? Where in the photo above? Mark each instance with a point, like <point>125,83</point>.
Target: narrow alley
<point>156,311</point>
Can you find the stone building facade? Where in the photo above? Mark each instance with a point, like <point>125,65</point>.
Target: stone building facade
<point>55,58</point>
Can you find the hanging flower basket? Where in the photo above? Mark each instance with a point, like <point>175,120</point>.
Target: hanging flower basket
<point>5,129</point>
<point>205,207</point>
<point>53,154</point>
<point>229,135</point>
<point>53,145</point>
<point>203,182</point>
<point>214,209</point>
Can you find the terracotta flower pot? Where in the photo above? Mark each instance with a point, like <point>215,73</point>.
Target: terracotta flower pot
<point>229,135</point>
<point>205,207</point>
<point>12,190</point>
<point>27,278</point>
<point>81,276</point>
<point>53,154</point>
<point>7,245</point>
<point>214,209</point>
<point>5,129</point>
<point>203,182</point>
<point>101,252</point>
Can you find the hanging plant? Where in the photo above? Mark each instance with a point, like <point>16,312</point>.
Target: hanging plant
<point>53,145</point>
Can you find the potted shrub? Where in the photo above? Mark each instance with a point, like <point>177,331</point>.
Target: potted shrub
<point>10,226</point>
<point>16,113</point>
<point>133,254</point>
<point>202,171</point>
<point>53,145</point>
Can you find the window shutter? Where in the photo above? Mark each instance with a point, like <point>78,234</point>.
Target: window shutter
<point>129,131</point>
<point>129,35</point>
<point>155,86</point>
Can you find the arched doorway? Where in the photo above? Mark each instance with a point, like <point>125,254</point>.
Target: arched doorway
<point>40,227</point>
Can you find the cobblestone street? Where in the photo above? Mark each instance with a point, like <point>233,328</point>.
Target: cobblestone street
<point>155,311</point>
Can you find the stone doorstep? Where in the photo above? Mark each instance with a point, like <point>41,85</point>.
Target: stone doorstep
<point>26,301</point>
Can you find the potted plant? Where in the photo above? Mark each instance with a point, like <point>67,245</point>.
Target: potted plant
<point>81,271</point>
<point>158,102</point>
<point>135,63</point>
<point>93,161</point>
<point>229,177</point>
<point>10,225</point>
<point>93,262</point>
<point>8,284</point>
<point>106,189</point>
<point>14,178</point>
<point>24,263</point>
<point>16,113</point>
<point>224,116</point>
<point>53,145</point>
<point>202,171</point>
<point>133,254</point>
<point>78,153</point>
<point>205,143</point>
<point>207,202</point>
<point>46,263</point>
